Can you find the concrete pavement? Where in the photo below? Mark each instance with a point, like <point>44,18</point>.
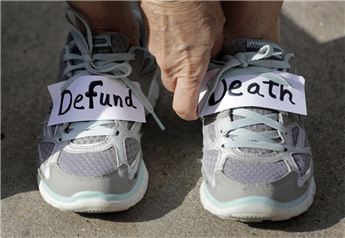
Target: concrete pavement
<point>32,36</point>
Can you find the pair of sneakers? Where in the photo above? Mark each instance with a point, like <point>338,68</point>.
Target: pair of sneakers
<point>257,162</point>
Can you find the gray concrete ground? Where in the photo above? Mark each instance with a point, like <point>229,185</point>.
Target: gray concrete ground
<point>33,34</point>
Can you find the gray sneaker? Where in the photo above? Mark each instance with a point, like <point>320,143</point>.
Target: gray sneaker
<point>257,162</point>
<point>97,166</point>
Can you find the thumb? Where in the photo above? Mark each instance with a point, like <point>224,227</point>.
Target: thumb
<point>186,97</point>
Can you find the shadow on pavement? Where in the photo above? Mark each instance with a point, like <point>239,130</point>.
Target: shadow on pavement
<point>171,159</point>
<point>31,61</point>
<point>322,65</point>
<point>29,65</point>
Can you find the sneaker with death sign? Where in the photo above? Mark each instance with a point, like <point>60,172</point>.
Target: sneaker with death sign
<point>97,166</point>
<point>257,163</point>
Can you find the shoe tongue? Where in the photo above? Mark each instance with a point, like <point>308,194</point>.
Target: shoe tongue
<point>248,45</point>
<point>110,43</point>
<point>106,43</point>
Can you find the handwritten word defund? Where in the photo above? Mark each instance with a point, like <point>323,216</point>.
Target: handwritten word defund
<point>80,101</point>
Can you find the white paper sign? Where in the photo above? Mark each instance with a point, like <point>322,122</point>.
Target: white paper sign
<point>91,98</point>
<point>254,91</point>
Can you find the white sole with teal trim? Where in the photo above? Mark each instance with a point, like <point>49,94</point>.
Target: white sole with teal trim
<point>97,202</point>
<point>257,209</point>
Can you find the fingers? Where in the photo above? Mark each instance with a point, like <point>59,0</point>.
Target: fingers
<point>185,80</point>
<point>186,97</point>
<point>168,74</point>
<point>183,36</point>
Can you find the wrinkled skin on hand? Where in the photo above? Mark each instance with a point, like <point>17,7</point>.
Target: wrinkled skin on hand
<point>183,36</point>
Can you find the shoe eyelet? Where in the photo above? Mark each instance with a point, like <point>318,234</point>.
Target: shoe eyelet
<point>60,139</point>
<point>117,133</point>
<point>285,149</point>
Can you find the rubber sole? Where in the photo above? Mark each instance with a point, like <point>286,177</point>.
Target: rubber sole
<point>97,202</point>
<point>257,209</point>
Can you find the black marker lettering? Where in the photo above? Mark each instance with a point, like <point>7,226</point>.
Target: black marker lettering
<point>235,85</point>
<point>212,101</point>
<point>63,93</point>
<point>117,99</point>
<point>128,100</point>
<point>256,89</point>
<point>106,101</point>
<point>90,94</point>
<point>76,100</point>
<point>283,92</point>
<point>270,87</point>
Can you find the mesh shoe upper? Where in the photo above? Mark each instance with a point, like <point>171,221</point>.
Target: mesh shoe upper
<point>285,151</point>
<point>96,148</point>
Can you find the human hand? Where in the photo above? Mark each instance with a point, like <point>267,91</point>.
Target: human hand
<point>183,36</point>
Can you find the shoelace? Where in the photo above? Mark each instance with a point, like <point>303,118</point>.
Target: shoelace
<point>113,66</point>
<point>258,64</point>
